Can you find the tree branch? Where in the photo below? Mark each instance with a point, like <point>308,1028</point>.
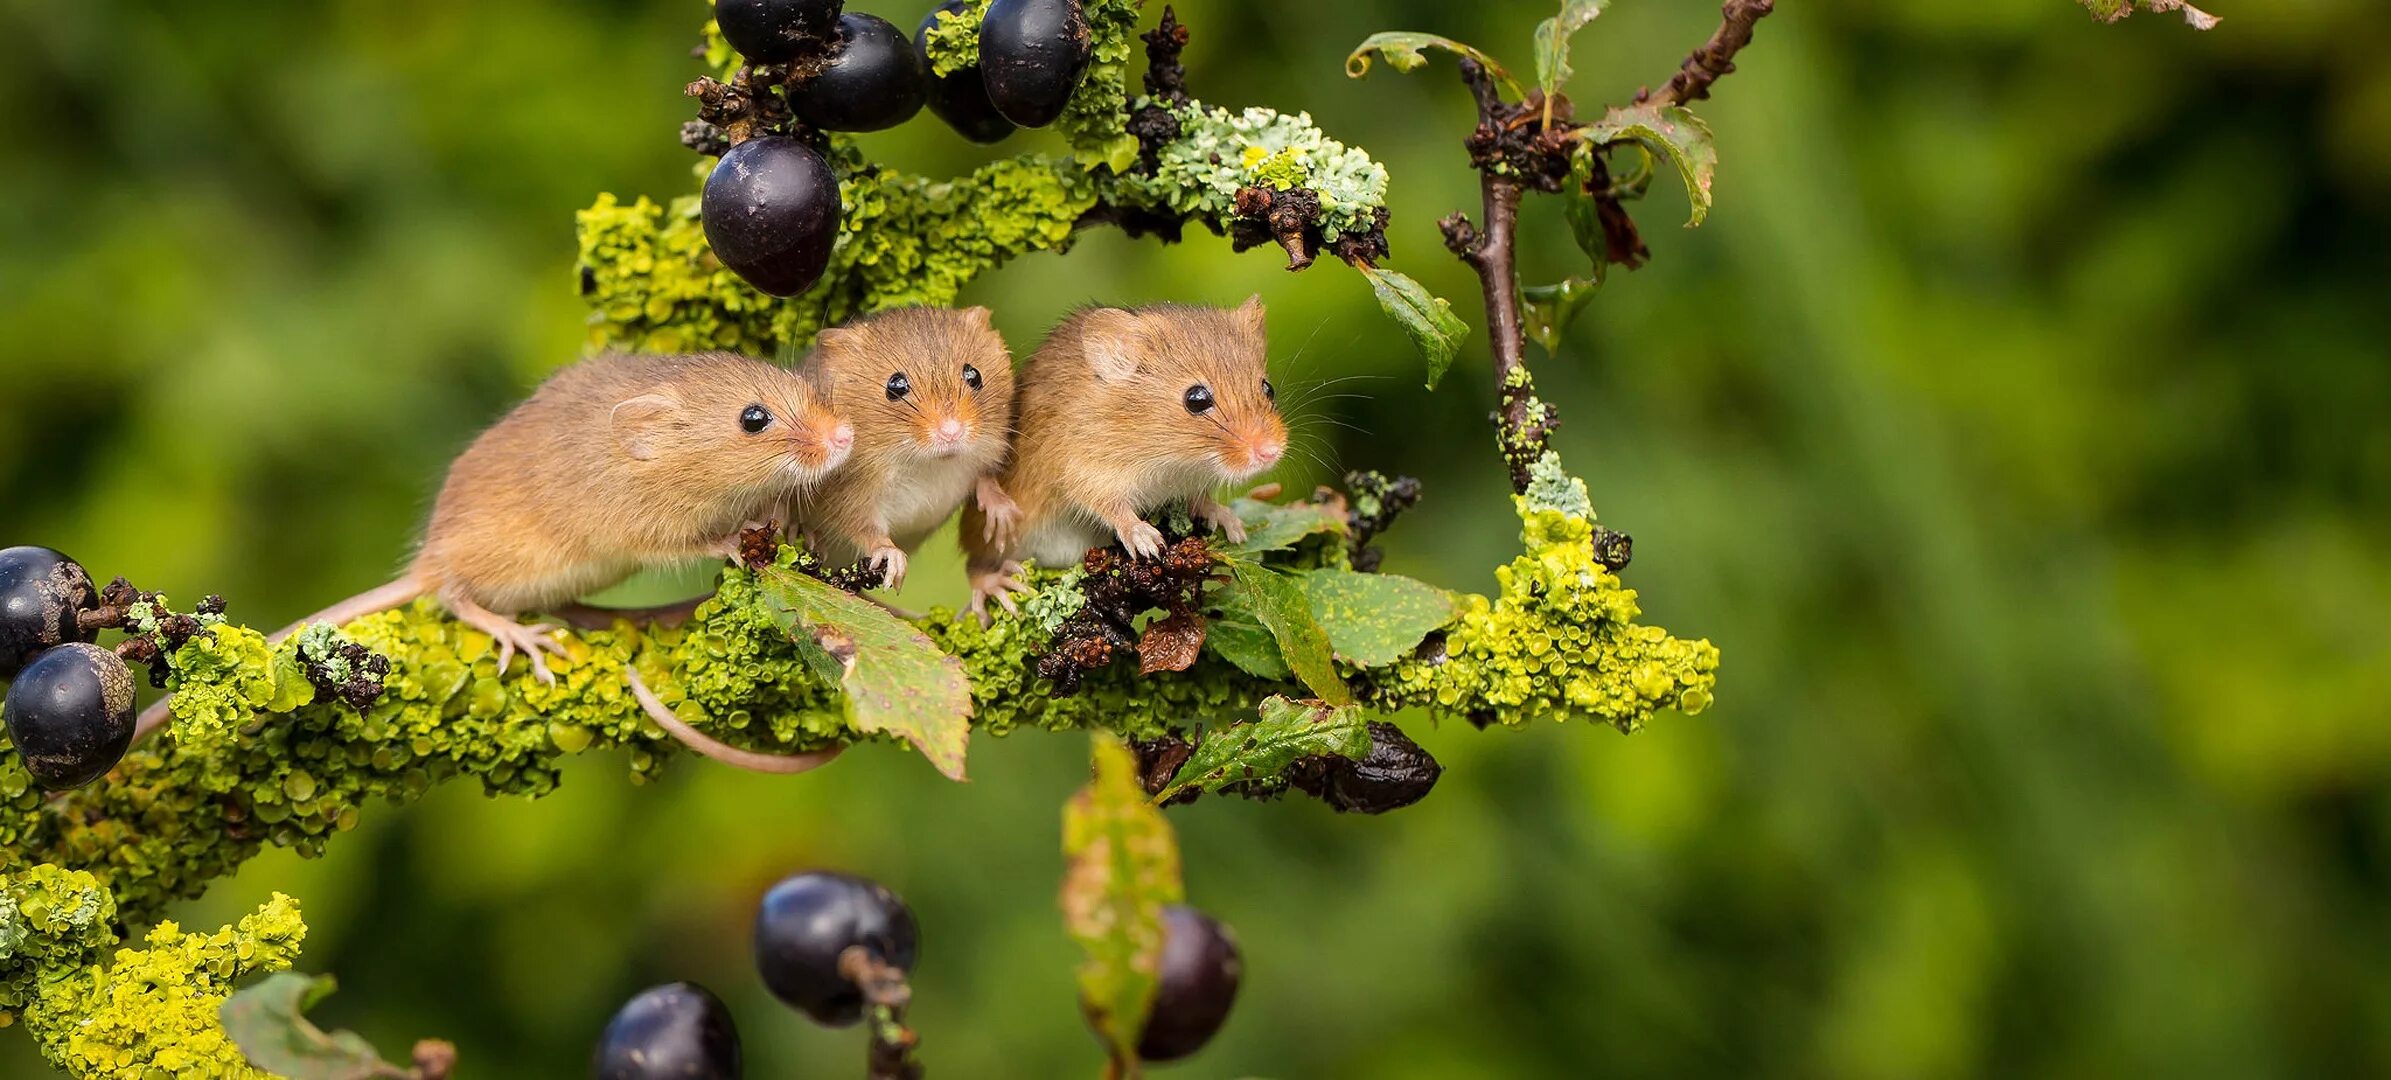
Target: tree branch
<point>1715,60</point>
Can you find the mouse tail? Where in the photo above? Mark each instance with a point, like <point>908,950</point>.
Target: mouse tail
<point>356,607</point>
<point>787,764</point>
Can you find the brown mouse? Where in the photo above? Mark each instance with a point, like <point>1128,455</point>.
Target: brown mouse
<point>615,463</point>
<point>930,393</point>
<point>1120,413</point>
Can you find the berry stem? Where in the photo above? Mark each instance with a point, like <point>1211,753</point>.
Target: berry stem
<point>890,1054</point>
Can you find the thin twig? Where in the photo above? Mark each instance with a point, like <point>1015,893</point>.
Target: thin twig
<point>1716,58</point>
<point>890,1056</point>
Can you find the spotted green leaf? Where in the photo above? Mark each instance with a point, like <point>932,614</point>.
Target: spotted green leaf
<point>896,679</point>
<point>1121,867</point>
<point>1671,131</point>
<point>1552,41</point>
<point>268,1022</point>
<point>1246,643</point>
<point>1287,732</point>
<point>1273,526</point>
<point>1278,602</point>
<point>1403,50</point>
<point>1428,318</point>
<point>1375,619</point>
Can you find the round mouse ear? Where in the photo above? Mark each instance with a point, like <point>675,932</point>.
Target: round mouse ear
<point>638,425</point>
<point>1113,340</point>
<point>1251,310</point>
<point>979,317</point>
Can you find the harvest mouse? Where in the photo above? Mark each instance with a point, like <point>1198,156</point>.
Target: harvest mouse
<point>1121,412</point>
<point>615,463</point>
<point>930,392</point>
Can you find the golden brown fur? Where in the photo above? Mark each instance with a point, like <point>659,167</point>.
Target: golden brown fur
<point>1105,435</point>
<point>917,456</point>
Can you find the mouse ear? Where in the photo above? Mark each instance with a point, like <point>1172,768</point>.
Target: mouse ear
<point>1251,311</point>
<point>638,424</point>
<point>1113,339</point>
<point>837,338</point>
<point>980,317</point>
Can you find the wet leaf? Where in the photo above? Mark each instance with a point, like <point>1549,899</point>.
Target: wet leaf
<point>1278,602</point>
<point>1403,52</point>
<point>1171,644</point>
<point>1245,642</point>
<point>1278,526</point>
<point>1552,41</point>
<point>1672,132</point>
<point>1121,867</point>
<point>2113,10</point>
<point>1584,211</point>
<point>1547,310</point>
<point>268,1022</point>
<point>1375,619</point>
<point>1428,318</point>
<point>1288,731</point>
<point>896,679</point>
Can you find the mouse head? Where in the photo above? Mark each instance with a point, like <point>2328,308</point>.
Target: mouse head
<point>728,421</point>
<point>921,382</point>
<point>1193,380</point>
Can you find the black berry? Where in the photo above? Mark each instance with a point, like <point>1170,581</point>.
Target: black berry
<point>1032,55</point>
<point>70,714</point>
<point>41,592</point>
<point>677,1031</point>
<point>872,83</point>
<point>771,211</point>
<point>959,97</point>
<point>777,31</point>
<point>1200,969</point>
<point>808,920</point>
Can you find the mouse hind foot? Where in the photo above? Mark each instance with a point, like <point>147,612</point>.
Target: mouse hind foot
<point>512,637</point>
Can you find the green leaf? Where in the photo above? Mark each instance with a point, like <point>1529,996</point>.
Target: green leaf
<point>1288,732</point>
<point>2113,10</point>
<point>1427,317</point>
<point>1402,50</point>
<point>1121,867</point>
<point>1242,640</point>
<point>1273,526</point>
<point>1672,132</point>
<point>1584,211</point>
<point>1547,310</point>
<point>268,1022</point>
<point>1375,619</point>
<point>1278,602</point>
<point>896,679</point>
<point>1552,41</point>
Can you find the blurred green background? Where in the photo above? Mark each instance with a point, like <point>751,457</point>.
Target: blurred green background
<point>2019,426</point>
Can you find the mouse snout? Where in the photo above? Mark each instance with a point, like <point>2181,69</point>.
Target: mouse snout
<point>949,434</point>
<point>841,437</point>
<point>1268,451</point>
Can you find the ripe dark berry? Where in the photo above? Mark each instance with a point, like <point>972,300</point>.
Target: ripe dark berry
<point>70,714</point>
<point>1200,969</point>
<point>806,921</point>
<point>677,1031</point>
<point>873,82</point>
<point>777,31</point>
<point>1032,55</point>
<point>959,97</point>
<point>771,211</point>
<point>41,592</point>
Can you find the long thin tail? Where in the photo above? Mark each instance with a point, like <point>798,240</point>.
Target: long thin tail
<point>356,607</point>
<point>722,752</point>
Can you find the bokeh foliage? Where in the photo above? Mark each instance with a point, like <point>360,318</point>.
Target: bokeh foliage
<point>2014,423</point>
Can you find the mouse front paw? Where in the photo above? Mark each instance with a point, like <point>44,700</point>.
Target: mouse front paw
<point>890,561</point>
<point>1141,541</point>
<point>1222,519</point>
<point>1000,516</point>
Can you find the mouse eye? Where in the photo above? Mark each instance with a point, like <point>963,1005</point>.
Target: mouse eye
<point>1269,392</point>
<point>899,386</point>
<point>971,376</point>
<point>1198,399</point>
<point>755,418</point>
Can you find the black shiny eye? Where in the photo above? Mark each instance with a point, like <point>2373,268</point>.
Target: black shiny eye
<point>1198,399</point>
<point>971,376</point>
<point>899,386</point>
<point>1269,392</point>
<point>754,419</point>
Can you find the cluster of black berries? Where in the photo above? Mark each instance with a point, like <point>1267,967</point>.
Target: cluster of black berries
<point>1119,589</point>
<point>70,703</point>
<point>771,207</point>
<point>833,945</point>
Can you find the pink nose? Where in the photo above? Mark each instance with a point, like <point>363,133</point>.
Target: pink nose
<point>950,430</point>
<point>1268,453</point>
<point>842,437</point>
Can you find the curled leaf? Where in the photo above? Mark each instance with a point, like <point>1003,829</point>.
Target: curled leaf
<point>1428,318</point>
<point>1552,41</point>
<point>1402,50</point>
<point>1121,866</point>
<point>1673,132</point>
<point>1171,644</point>
<point>1547,310</point>
<point>894,677</point>
<point>268,1022</point>
<point>1287,732</point>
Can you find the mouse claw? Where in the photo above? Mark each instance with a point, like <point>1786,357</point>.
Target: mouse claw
<point>999,586</point>
<point>1142,541</point>
<point>1222,519</point>
<point>891,563</point>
